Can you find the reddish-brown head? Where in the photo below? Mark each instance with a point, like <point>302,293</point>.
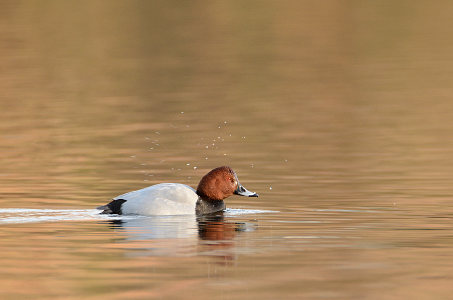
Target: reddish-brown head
<point>221,183</point>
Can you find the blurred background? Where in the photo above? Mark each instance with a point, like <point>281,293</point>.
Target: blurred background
<point>317,105</point>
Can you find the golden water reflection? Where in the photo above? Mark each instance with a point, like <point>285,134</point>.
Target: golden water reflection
<point>337,113</point>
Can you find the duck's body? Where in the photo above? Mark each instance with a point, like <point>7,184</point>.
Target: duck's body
<point>180,199</point>
<point>159,199</point>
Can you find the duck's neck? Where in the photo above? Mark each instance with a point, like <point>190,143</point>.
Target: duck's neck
<point>207,206</point>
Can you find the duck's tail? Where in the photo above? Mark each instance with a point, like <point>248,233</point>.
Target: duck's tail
<point>114,207</point>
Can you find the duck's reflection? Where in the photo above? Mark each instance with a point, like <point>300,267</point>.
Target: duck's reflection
<point>210,235</point>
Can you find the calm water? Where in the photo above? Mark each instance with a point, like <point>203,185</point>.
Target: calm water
<point>339,114</point>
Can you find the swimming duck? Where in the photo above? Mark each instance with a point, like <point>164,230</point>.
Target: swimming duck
<point>179,199</point>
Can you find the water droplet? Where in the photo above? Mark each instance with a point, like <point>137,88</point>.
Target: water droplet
<point>187,164</point>
<point>194,168</point>
<point>206,147</point>
<point>182,112</point>
<point>270,188</point>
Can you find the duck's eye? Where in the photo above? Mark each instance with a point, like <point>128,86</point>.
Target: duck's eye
<point>232,180</point>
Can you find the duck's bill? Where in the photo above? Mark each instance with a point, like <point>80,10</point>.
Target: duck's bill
<point>242,191</point>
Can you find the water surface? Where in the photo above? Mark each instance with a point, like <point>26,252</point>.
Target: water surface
<point>337,114</point>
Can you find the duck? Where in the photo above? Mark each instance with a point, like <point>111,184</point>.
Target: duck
<point>180,199</point>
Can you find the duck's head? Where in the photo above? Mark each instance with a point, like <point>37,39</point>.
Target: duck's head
<point>221,183</point>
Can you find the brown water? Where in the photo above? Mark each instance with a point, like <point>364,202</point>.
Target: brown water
<point>339,114</point>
